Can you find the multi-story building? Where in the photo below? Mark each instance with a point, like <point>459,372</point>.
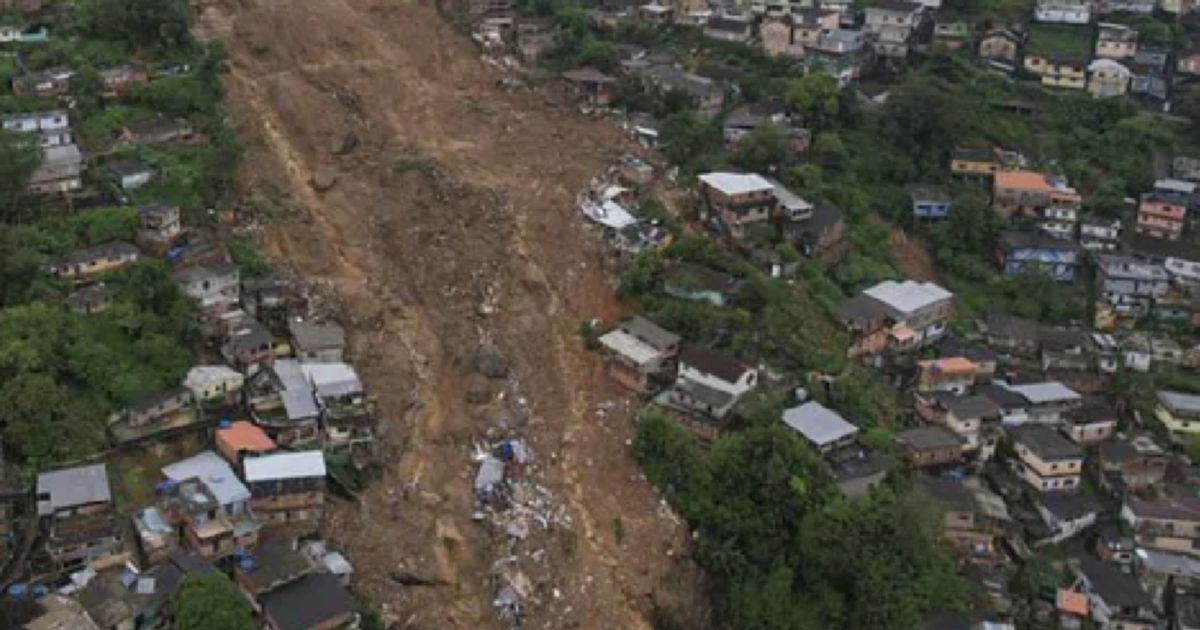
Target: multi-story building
<point>1132,463</point>
<point>639,351</point>
<point>891,24</point>
<point>1097,234</point>
<point>1108,78</point>
<point>946,374</point>
<point>897,316</point>
<point>53,127</point>
<point>1180,414</point>
<point>1064,11</point>
<point>77,515</point>
<point>204,496</point>
<point>1030,194</point>
<point>1128,286</point>
<point>975,162</point>
<point>738,201</point>
<point>1023,251</point>
<point>287,488</point>
<point>1059,70</point>
<point>1116,41</point>
<point>974,417</point>
<point>1168,524</point>
<point>1162,215</point>
<point>709,383</point>
<point>1045,459</point>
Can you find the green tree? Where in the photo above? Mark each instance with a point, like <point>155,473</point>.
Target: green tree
<point>161,24</point>
<point>815,97</point>
<point>210,601</point>
<point>688,136</point>
<point>828,151</point>
<point>19,156</point>
<point>763,149</point>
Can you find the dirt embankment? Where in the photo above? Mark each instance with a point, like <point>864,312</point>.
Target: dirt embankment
<point>439,209</point>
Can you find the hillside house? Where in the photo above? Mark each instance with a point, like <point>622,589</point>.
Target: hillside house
<point>1064,516</point>
<point>158,227</point>
<point>60,171</point>
<point>1046,402</point>
<point>729,26</point>
<point>347,412</point>
<point>1142,7</point>
<point>1108,78</point>
<point>1179,413</point>
<point>1038,251</point>
<point>1031,194</point>
<point>249,347</point>
<point>947,374</point>
<point>129,173</point>
<point>931,445</point>
<point>1188,61</point>
<point>1063,11</point>
<point>205,496</point>
<point>891,25</point>
<point>950,32</point>
<point>1000,46</point>
<point>242,439</point>
<point>96,260</point>
<point>1131,463</point>
<point>156,131</point>
<point>1059,70</point>
<point>1091,423</point>
<point>709,383</point>
<point>1128,286</point>
<point>590,86</point>
<point>896,315</point>
<point>160,414</point>
<point>974,517</point>
<point>822,428</point>
<point>77,517</point>
<point>819,235</point>
<point>974,162</point>
<point>281,401</point>
<point>91,299</point>
<point>317,343</point>
<point>974,417</point>
<point>53,127</point>
<point>1116,41</point>
<point>1169,524</point>
<point>736,201</point>
<point>1161,215</point>
<point>117,81</point>
<point>639,352</point>
<point>47,83</point>
<point>215,287</point>
<point>694,283</point>
<point>1098,234</point>
<point>775,36</point>
<point>703,93</point>
<point>214,384</point>
<point>1180,258</point>
<point>1115,600</point>
<point>929,202</point>
<point>1045,459</point>
<point>808,23</point>
<point>1150,78</point>
<point>288,488</point>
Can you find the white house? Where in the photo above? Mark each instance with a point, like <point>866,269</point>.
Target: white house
<point>823,428</point>
<point>710,383</point>
<point>214,286</point>
<point>1063,11</point>
<point>211,382</point>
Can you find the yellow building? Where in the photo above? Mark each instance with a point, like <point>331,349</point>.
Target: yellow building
<point>1046,460</point>
<point>1179,413</point>
<point>974,161</point>
<point>1058,71</point>
<point>97,260</point>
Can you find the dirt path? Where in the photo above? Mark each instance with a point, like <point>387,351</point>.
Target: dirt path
<point>446,222</point>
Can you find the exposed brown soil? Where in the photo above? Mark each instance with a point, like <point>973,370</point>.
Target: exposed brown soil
<point>447,221</point>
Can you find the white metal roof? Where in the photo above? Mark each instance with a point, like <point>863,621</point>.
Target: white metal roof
<point>332,379</point>
<point>908,296</point>
<point>1179,401</point>
<point>299,404</point>
<point>629,346</point>
<point>736,183</point>
<point>203,376</point>
<point>298,465</point>
<point>214,472</point>
<point>818,423</point>
<point>1050,391</point>
<point>72,487</point>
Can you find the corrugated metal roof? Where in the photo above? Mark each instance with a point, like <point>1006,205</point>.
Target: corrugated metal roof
<point>299,465</point>
<point>72,487</point>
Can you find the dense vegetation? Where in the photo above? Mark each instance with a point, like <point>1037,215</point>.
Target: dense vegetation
<point>784,551</point>
<point>210,601</point>
<point>62,373</point>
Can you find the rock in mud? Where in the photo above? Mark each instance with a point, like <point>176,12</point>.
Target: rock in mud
<point>490,363</point>
<point>323,179</point>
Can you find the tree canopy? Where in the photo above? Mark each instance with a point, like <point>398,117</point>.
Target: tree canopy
<point>210,601</point>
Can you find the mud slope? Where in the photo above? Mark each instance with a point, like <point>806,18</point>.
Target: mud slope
<point>442,219</point>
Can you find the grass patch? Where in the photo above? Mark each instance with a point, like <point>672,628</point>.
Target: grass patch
<point>1059,41</point>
